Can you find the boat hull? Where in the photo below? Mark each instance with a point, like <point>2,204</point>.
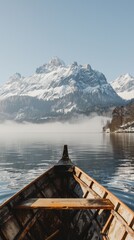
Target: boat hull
<point>65,220</point>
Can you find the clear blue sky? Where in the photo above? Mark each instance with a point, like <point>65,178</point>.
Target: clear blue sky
<point>98,32</point>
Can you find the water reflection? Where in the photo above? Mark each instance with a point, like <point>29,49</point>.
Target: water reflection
<point>123,145</point>
<point>107,158</point>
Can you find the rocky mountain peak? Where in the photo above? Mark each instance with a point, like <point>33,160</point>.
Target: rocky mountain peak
<point>15,77</point>
<point>56,62</point>
<point>74,64</point>
<point>57,90</point>
<point>53,64</point>
<point>124,86</point>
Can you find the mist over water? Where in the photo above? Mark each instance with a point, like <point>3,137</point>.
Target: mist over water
<point>27,150</point>
<point>10,132</point>
<point>83,124</point>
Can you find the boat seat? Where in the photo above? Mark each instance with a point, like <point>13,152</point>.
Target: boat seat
<point>66,203</point>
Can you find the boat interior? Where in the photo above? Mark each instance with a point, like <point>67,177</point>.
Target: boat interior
<point>65,203</point>
<point>30,218</point>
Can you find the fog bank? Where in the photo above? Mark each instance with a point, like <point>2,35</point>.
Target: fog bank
<point>94,124</point>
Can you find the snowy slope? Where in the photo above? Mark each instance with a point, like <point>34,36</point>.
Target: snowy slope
<point>55,80</point>
<point>64,89</point>
<point>124,86</point>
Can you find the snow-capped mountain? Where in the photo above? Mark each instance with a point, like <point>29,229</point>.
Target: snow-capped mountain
<point>124,86</point>
<point>63,89</point>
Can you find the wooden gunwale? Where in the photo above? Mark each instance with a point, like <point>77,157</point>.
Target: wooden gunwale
<point>107,191</point>
<point>116,215</point>
<point>25,188</point>
<point>86,187</point>
<point>125,222</point>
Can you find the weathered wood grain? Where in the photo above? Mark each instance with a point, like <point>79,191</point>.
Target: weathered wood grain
<point>67,203</point>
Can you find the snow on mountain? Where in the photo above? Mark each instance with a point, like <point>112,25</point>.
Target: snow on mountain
<point>64,88</point>
<point>51,65</point>
<point>124,86</point>
<point>55,80</point>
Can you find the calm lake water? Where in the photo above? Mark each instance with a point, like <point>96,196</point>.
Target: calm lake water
<point>107,158</point>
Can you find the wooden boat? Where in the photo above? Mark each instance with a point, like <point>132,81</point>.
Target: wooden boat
<point>65,203</point>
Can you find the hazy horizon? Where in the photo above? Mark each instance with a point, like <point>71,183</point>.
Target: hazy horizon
<point>13,130</point>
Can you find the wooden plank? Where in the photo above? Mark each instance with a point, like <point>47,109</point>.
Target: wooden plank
<point>129,237</point>
<point>66,203</point>
<point>109,196</point>
<point>85,179</point>
<point>107,224</point>
<point>124,224</point>
<point>27,226</point>
<point>53,235</point>
<point>97,189</point>
<point>116,230</point>
<point>126,214</point>
<point>85,188</point>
